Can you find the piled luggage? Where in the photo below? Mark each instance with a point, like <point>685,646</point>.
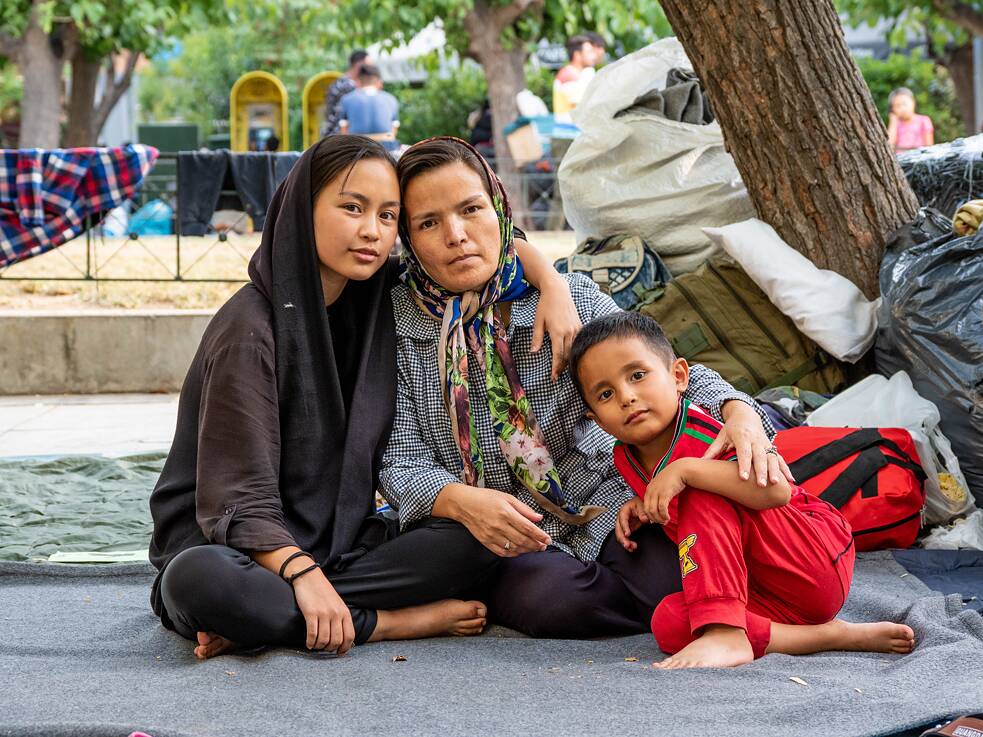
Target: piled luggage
<point>667,229</point>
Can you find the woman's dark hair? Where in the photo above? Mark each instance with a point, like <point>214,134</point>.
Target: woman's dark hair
<point>429,155</point>
<point>336,154</point>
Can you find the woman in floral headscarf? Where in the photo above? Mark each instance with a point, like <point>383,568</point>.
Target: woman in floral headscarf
<point>483,436</point>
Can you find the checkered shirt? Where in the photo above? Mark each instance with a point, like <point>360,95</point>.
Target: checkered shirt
<point>422,456</point>
<point>46,195</point>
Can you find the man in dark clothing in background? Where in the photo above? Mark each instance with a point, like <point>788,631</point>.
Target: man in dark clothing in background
<point>347,82</point>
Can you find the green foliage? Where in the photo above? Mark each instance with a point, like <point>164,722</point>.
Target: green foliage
<point>539,81</point>
<point>441,107</point>
<point>195,85</point>
<point>11,88</point>
<point>933,90</point>
<point>107,26</point>
<point>918,17</point>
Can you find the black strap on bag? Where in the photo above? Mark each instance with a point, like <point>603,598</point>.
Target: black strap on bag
<point>862,471</point>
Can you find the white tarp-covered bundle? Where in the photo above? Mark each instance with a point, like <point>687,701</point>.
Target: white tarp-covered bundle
<point>643,174</point>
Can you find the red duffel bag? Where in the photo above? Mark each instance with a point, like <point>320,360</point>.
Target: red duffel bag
<point>872,475</point>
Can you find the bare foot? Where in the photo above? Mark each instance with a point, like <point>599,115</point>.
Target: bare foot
<point>447,617</point>
<point>210,645</point>
<point>720,646</point>
<point>875,637</point>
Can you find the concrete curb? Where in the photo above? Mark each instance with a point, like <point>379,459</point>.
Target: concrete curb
<point>98,351</point>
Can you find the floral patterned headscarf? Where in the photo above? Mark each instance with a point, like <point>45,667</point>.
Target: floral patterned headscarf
<point>471,320</point>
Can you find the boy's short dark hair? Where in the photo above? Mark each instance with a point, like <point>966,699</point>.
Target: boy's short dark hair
<point>357,57</point>
<point>618,325</point>
<point>369,72</point>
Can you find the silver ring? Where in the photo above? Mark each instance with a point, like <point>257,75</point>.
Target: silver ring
<point>772,451</point>
<point>508,545</point>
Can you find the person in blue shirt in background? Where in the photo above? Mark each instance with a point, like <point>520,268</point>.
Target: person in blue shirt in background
<point>371,111</point>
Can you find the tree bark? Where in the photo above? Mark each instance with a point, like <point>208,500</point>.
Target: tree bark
<point>41,69</point>
<point>86,115</point>
<point>959,62</point>
<point>800,123</point>
<point>504,68</point>
<point>81,129</point>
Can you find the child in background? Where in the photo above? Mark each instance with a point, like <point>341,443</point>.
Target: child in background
<point>905,129</point>
<point>764,570</point>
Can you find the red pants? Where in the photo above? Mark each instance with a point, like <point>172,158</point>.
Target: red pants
<point>748,568</point>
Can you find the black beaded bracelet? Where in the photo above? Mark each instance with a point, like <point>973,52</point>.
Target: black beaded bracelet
<point>298,554</point>
<point>301,573</point>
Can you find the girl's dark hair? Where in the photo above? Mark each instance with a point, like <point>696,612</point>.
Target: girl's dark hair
<point>335,154</point>
<point>900,92</point>
<point>428,155</point>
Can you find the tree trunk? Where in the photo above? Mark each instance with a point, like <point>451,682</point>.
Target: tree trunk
<point>799,121</point>
<point>504,68</point>
<point>41,70</point>
<point>959,62</point>
<point>81,129</point>
<point>86,115</point>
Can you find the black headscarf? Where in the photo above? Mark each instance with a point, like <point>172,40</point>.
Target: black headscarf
<point>330,453</point>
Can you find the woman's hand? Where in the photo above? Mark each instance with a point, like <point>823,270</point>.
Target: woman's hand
<point>497,520</point>
<point>556,315</point>
<point>665,486</point>
<point>631,516</point>
<point>744,433</point>
<point>329,621</point>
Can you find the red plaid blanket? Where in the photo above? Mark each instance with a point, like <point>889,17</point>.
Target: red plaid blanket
<point>46,196</point>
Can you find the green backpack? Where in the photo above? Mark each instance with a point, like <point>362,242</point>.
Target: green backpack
<point>719,317</point>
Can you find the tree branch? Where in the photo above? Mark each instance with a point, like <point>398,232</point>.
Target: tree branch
<point>114,88</point>
<point>506,15</point>
<point>484,24</point>
<point>962,14</point>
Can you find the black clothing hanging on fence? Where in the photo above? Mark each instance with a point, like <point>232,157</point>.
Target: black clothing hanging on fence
<point>202,175</point>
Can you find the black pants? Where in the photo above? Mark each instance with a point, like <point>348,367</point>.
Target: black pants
<point>552,594</point>
<point>214,588</point>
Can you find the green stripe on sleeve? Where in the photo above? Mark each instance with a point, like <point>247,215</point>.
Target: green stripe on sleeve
<point>700,436</point>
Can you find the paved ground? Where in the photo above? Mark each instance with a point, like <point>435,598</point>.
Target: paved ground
<point>107,424</point>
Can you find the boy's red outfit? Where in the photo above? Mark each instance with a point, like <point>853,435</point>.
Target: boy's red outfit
<point>743,567</point>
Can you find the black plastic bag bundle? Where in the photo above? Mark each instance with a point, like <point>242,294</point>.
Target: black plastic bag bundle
<point>946,175</point>
<point>931,325</point>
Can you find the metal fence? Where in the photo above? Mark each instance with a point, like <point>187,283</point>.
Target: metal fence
<point>173,257</point>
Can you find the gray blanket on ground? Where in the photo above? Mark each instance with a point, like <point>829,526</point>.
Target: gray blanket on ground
<point>81,654</point>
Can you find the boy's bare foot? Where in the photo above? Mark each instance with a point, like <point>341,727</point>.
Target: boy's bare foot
<point>720,646</point>
<point>447,617</point>
<point>875,637</point>
<point>210,645</point>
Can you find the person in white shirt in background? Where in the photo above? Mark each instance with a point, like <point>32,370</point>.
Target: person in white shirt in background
<point>585,52</point>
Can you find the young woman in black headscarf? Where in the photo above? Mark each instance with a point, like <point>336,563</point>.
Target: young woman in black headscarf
<point>265,531</point>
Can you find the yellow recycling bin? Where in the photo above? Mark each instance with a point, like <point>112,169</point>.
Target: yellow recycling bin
<point>312,104</point>
<point>258,113</point>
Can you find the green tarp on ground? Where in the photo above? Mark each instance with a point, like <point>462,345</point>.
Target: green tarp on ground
<point>75,504</point>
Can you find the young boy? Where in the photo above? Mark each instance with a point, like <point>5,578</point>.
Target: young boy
<point>763,569</point>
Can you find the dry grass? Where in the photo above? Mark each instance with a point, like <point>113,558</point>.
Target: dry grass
<point>156,257</point>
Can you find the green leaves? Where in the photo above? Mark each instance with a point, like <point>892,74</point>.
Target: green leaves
<point>931,84</point>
